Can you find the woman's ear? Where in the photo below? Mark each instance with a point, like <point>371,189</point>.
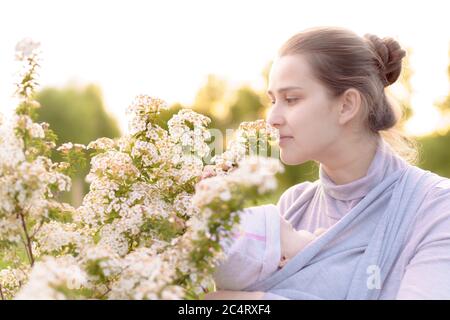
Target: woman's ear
<point>350,105</point>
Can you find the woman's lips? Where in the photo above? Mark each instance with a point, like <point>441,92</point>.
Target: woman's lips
<point>284,139</point>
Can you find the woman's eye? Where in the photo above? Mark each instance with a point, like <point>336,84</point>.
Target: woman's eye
<point>288,100</point>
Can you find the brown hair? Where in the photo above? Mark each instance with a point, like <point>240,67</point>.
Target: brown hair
<point>341,60</point>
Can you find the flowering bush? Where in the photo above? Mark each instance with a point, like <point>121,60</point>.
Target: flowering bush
<point>149,227</point>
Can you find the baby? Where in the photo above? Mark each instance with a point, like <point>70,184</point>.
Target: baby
<point>264,243</point>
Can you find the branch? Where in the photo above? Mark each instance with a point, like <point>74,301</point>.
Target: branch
<point>28,244</point>
<point>37,229</point>
<point>108,289</point>
<point>25,246</point>
<point>1,293</point>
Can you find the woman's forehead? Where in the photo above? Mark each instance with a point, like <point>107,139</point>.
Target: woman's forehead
<point>289,72</point>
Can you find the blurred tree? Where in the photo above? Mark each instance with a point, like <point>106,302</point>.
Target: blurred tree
<point>265,73</point>
<point>435,148</point>
<point>435,153</point>
<point>405,81</point>
<point>76,115</point>
<point>444,105</point>
<point>246,106</point>
<point>210,96</point>
<point>403,95</point>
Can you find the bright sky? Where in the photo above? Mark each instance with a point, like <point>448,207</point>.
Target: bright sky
<point>166,48</point>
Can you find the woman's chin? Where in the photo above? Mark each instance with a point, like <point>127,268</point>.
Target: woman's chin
<point>290,160</point>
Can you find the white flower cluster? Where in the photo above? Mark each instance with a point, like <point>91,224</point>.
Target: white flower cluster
<point>27,52</point>
<point>181,132</point>
<point>27,187</point>
<point>251,171</point>
<point>54,236</point>
<point>25,123</point>
<point>147,229</point>
<point>68,146</point>
<point>112,165</point>
<point>143,110</point>
<point>139,237</point>
<point>102,144</point>
<point>11,146</point>
<point>249,137</point>
<point>11,281</point>
<point>145,276</point>
<point>104,258</point>
<point>26,49</point>
<point>29,181</point>
<point>50,277</point>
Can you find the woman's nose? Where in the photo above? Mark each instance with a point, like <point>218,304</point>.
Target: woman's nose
<point>274,118</point>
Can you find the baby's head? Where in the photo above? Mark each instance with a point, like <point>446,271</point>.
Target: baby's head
<point>293,241</point>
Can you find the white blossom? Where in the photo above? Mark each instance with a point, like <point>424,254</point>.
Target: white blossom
<point>50,274</point>
<point>26,48</point>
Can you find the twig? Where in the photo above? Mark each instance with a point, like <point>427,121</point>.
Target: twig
<point>25,246</point>
<point>30,250</point>
<point>105,293</point>
<point>37,229</point>
<point>1,293</point>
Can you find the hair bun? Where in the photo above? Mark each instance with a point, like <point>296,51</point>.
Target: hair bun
<point>389,57</point>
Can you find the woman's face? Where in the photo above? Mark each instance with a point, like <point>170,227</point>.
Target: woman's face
<point>302,110</point>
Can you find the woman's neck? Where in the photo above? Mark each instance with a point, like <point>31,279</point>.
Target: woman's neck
<point>350,160</point>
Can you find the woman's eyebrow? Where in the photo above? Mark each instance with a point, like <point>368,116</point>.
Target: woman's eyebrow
<point>285,89</point>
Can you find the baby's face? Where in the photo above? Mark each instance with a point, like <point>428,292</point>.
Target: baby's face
<point>293,241</point>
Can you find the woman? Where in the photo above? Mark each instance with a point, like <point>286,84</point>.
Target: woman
<point>388,221</point>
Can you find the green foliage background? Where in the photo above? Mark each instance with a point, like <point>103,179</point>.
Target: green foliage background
<point>78,115</point>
